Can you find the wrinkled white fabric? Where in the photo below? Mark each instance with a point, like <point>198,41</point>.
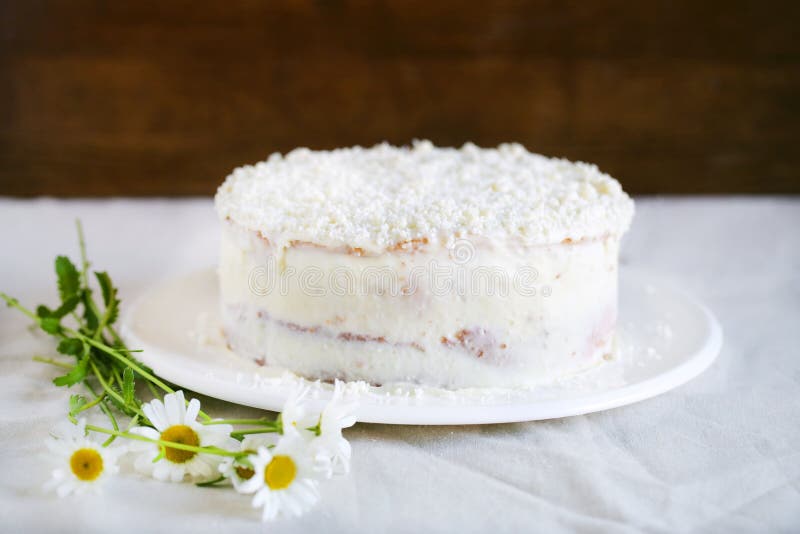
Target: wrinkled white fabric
<point>721,453</point>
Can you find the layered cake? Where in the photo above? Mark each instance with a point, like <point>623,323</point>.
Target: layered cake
<point>443,267</point>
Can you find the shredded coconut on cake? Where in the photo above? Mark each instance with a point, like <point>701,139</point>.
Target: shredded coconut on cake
<point>374,198</point>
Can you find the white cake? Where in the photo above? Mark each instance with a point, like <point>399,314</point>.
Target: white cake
<point>442,267</point>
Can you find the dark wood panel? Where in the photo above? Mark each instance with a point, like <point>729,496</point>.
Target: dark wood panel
<point>604,28</point>
<point>146,98</point>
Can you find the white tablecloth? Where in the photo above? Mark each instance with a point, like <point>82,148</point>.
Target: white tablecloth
<point>721,453</point>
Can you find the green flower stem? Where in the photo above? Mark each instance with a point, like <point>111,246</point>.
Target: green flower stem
<point>85,276</point>
<point>97,400</point>
<point>51,361</point>
<point>98,334</point>
<point>110,391</point>
<point>264,422</point>
<point>211,483</point>
<point>133,422</point>
<point>151,379</point>
<point>121,358</point>
<point>152,388</point>
<point>170,444</point>
<point>242,433</point>
<point>84,258</point>
<point>14,303</point>
<point>97,341</point>
<point>105,409</point>
<point>116,376</point>
<point>203,415</point>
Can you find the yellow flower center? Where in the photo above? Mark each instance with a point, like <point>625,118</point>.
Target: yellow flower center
<point>180,434</point>
<point>280,472</point>
<point>86,464</point>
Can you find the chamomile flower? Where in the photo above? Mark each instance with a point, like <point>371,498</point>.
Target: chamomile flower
<point>295,417</point>
<point>284,480</point>
<point>176,422</point>
<point>331,451</point>
<point>240,471</point>
<point>84,464</point>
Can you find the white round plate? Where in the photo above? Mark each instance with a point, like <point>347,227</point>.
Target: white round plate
<point>665,338</point>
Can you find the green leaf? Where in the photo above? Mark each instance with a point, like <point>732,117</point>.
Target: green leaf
<point>121,406</point>
<point>110,299</point>
<point>76,402</point>
<point>88,315</point>
<point>51,325</point>
<point>71,346</point>
<point>69,280</point>
<point>128,386</point>
<point>67,306</point>
<point>76,375</point>
<point>105,285</point>
<point>43,311</point>
<point>211,483</point>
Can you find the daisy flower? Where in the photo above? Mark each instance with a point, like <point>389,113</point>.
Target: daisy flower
<point>331,451</point>
<point>85,464</point>
<point>240,471</point>
<point>284,480</point>
<point>174,421</point>
<point>295,417</point>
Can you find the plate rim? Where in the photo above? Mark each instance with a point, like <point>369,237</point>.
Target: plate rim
<point>469,412</point>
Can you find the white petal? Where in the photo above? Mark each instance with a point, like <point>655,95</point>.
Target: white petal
<point>252,442</point>
<point>271,506</point>
<point>147,450</point>
<point>80,428</point>
<point>202,467</point>
<point>56,446</point>
<point>177,474</point>
<point>144,465</point>
<point>175,408</point>
<point>218,435</point>
<point>253,484</point>
<point>65,488</point>
<point>291,507</point>
<point>161,470</point>
<point>154,410</point>
<point>192,410</point>
<point>260,498</point>
<point>53,482</point>
<point>227,469</point>
<point>147,432</point>
<point>112,453</point>
<point>307,490</point>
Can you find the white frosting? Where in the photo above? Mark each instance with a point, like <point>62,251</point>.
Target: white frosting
<point>402,327</point>
<point>374,198</point>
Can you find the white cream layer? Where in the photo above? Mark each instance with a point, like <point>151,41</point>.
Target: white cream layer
<point>391,317</point>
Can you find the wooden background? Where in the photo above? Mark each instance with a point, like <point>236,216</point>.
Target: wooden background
<point>166,97</point>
